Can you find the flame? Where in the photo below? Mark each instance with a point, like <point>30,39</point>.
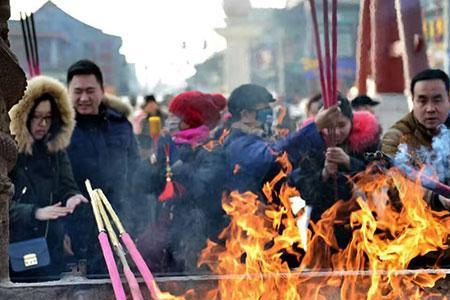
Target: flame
<point>224,134</point>
<point>282,114</point>
<point>210,145</point>
<point>385,237</point>
<point>282,132</point>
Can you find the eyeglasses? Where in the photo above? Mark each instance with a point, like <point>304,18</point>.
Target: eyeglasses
<point>39,119</point>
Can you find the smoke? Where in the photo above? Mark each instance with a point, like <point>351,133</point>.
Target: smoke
<point>436,160</point>
<point>402,157</point>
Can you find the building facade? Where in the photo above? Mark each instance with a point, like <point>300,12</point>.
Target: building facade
<point>275,48</point>
<point>62,40</point>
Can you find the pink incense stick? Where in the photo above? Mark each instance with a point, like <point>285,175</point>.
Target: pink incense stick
<point>112,267</point>
<point>106,247</point>
<point>132,250</point>
<point>131,279</point>
<point>134,285</point>
<point>140,264</point>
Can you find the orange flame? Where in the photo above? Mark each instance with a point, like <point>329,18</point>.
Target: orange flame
<point>210,145</point>
<point>386,237</point>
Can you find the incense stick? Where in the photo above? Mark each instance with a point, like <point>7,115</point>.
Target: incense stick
<point>25,41</point>
<point>31,43</point>
<point>37,67</point>
<point>318,49</point>
<point>328,101</point>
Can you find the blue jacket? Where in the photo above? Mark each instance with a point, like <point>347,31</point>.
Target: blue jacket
<point>103,149</point>
<point>252,160</point>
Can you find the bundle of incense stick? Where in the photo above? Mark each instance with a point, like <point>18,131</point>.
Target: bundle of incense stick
<point>102,208</point>
<point>30,42</point>
<point>327,71</point>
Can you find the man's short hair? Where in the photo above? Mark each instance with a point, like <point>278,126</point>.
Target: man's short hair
<point>85,67</point>
<point>430,74</point>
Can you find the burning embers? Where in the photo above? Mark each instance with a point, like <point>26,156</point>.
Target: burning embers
<point>360,248</point>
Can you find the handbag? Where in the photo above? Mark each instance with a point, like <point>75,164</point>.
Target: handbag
<point>29,254</point>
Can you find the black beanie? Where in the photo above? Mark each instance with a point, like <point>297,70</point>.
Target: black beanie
<point>247,96</point>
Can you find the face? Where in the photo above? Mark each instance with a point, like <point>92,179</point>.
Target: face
<point>342,129</point>
<point>249,116</point>
<point>86,94</point>
<point>151,107</point>
<point>41,120</point>
<point>431,103</point>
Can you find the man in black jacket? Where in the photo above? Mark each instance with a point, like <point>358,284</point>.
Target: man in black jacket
<point>103,149</point>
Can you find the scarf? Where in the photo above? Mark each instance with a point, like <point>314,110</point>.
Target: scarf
<point>191,136</point>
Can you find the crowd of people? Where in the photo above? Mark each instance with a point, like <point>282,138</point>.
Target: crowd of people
<point>166,174</point>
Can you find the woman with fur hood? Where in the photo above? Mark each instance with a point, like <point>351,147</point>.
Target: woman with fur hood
<point>323,174</point>
<point>45,190</point>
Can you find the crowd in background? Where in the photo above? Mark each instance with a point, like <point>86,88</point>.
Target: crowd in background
<point>166,169</point>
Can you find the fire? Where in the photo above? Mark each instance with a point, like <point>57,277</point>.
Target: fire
<point>209,146</point>
<point>384,238</point>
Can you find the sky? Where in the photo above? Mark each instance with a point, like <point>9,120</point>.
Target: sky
<point>154,31</point>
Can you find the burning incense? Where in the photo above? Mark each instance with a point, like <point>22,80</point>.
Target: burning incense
<point>412,174</point>
<point>30,43</point>
<point>106,247</point>
<point>128,241</point>
<point>131,279</point>
<point>37,67</point>
<point>25,41</point>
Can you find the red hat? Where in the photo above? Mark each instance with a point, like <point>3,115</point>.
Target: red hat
<point>196,108</point>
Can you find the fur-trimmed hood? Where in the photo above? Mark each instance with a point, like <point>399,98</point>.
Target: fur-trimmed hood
<point>365,131</point>
<point>19,114</point>
<point>113,102</point>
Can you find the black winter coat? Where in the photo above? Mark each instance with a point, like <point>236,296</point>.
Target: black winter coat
<point>43,174</point>
<point>103,149</point>
<point>40,180</point>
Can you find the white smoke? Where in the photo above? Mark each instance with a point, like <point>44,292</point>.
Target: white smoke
<point>436,160</point>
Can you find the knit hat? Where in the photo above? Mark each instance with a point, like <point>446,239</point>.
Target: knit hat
<point>247,96</point>
<point>196,108</point>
